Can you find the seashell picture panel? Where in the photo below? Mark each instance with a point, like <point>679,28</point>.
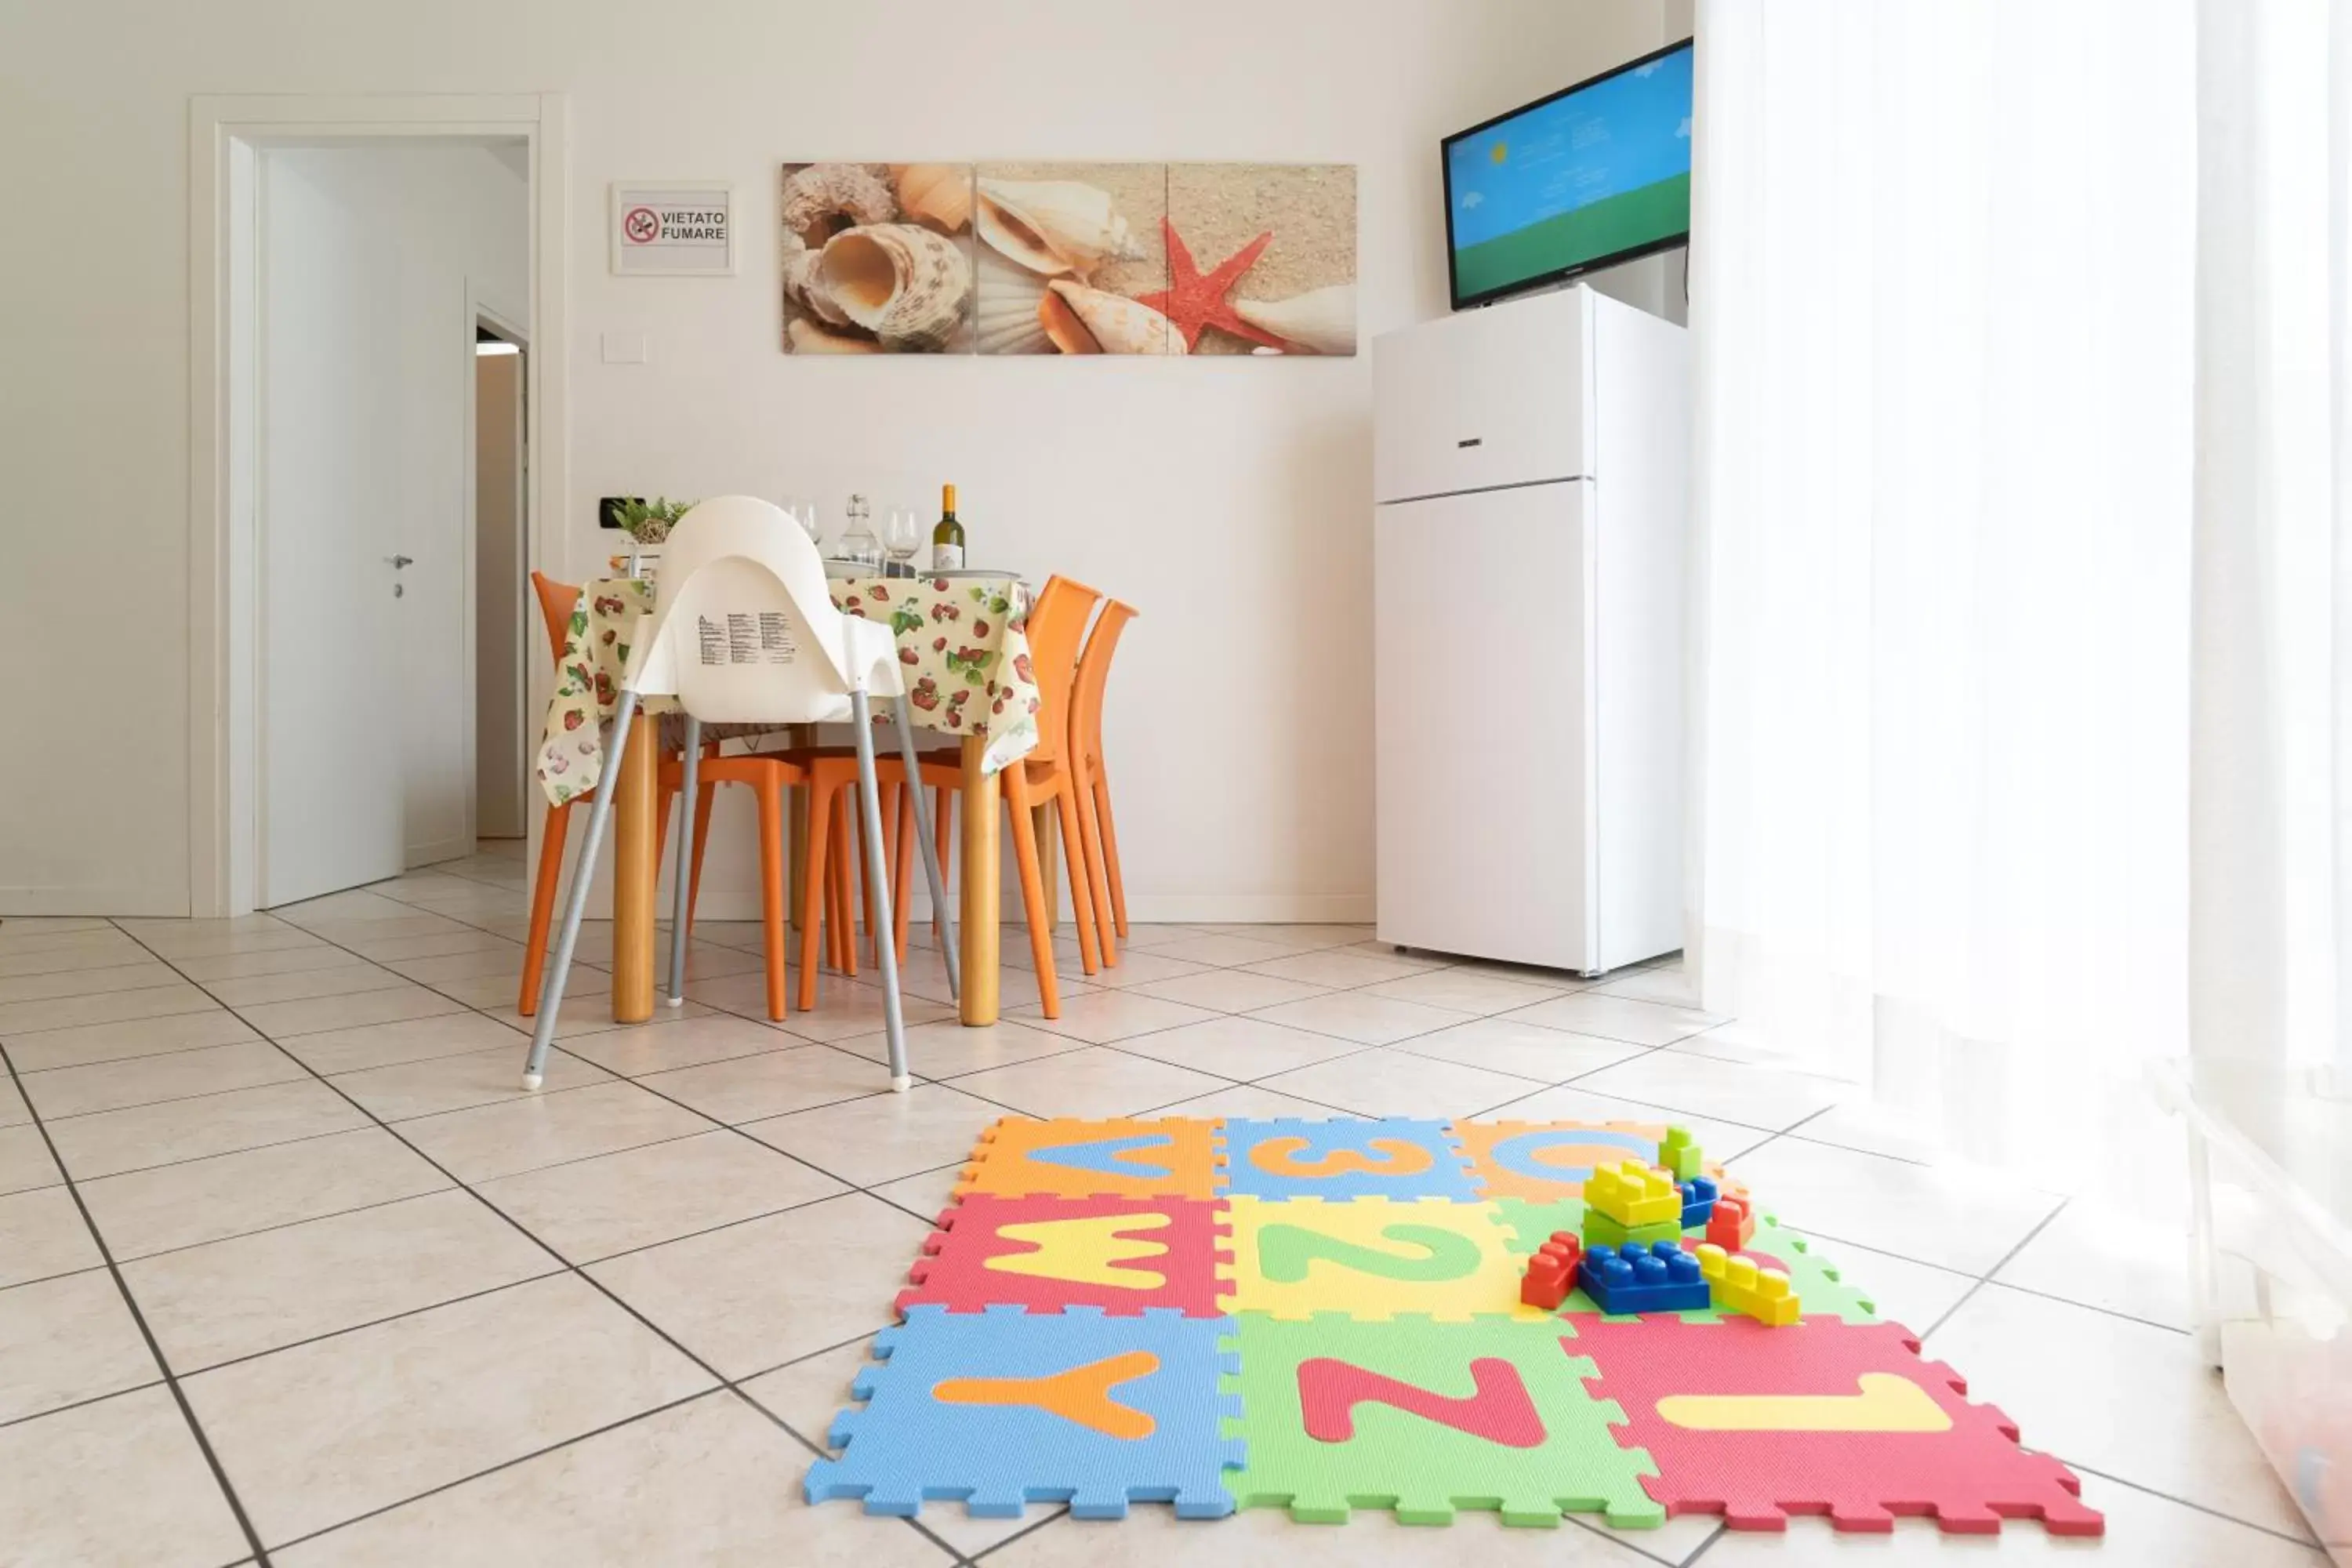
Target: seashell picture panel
<point>1069,258</point>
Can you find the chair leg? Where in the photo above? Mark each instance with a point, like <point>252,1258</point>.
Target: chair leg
<point>1081,904</point>
<point>869,857</point>
<point>772,892</point>
<point>1033,895</point>
<point>1111,848</point>
<point>816,886</point>
<point>551,999</point>
<point>542,904</point>
<point>942,841</point>
<point>902,799</point>
<point>1097,880</point>
<point>844,945</point>
<point>886,957</point>
<point>933,837</point>
<point>704,799</point>
<point>688,847</point>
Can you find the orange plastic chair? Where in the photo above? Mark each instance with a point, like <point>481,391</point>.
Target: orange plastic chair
<point>557,601</point>
<point>1057,624</point>
<point>1101,846</point>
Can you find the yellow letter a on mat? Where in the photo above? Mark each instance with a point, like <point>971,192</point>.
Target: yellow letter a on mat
<point>1084,1250</point>
<point>1886,1404</point>
<point>1081,1394</point>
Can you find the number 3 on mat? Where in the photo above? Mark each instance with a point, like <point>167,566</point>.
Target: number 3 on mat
<point>1284,1252</point>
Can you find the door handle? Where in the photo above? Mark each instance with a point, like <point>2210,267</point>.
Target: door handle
<point>400,561</point>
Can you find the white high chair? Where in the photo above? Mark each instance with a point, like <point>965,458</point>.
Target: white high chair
<point>742,631</point>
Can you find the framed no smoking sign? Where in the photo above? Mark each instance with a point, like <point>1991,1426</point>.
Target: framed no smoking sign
<point>673,228</point>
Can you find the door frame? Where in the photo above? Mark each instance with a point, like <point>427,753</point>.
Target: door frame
<point>479,315</point>
<point>224,131</point>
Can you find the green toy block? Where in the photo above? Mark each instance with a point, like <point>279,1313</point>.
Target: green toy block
<point>1427,1418</point>
<point>1680,1154</point>
<point>1600,1230</point>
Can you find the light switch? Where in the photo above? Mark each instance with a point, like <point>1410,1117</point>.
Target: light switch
<point>624,347</point>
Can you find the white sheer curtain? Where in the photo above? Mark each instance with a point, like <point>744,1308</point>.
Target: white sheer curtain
<point>2272,780</point>
<point>1943,303</point>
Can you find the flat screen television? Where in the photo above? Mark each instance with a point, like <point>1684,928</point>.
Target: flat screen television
<point>1597,173</point>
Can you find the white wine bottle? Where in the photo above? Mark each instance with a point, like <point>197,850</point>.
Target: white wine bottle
<point>947,537</point>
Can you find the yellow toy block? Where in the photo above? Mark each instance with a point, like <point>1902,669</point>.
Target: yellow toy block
<point>1739,1286</point>
<point>1634,1195</point>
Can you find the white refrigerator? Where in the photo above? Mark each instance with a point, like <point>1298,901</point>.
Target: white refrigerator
<point>1531,476</point>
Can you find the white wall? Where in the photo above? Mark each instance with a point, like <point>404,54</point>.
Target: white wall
<point>1229,500</point>
<point>506,614</point>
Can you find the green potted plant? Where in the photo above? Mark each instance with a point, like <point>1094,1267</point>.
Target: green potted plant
<point>648,523</point>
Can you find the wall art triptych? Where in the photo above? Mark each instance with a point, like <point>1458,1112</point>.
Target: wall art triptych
<point>1069,258</point>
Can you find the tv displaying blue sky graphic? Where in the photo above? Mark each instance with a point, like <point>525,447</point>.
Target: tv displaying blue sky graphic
<point>1600,171</point>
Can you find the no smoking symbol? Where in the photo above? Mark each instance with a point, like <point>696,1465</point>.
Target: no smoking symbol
<point>642,226</point>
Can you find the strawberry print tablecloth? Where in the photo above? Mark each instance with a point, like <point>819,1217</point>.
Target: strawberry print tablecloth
<point>962,641</point>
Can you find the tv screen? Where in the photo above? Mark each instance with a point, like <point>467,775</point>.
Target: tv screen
<point>1596,174</point>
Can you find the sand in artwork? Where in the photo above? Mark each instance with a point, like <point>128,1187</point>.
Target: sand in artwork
<point>1065,251</point>
<point>1298,293</point>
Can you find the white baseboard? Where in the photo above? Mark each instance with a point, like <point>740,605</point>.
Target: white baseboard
<point>132,902</point>
<point>433,853</point>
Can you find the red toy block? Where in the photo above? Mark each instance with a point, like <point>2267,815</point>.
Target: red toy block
<point>1732,1223</point>
<point>1547,1281</point>
<point>1566,1246</point>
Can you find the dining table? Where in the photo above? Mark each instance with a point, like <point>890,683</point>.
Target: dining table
<point>964,651</point>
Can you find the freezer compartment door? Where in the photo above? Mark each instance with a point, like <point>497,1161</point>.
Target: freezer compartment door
<point>1482,668</point>
<point>1483,399</point>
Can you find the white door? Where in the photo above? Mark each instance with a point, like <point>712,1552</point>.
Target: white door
<point>329,532</point>
<point>505,621</point>
<point>1482,661</point>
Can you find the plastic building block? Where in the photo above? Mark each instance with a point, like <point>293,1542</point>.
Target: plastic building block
<point>1547,1281</point>
<point>1839,1418</point>
<point>1679,1154</point>
<point>1732,1225</point>
<point>1741,1286</point>
<point>1632,1194</point>
<point>1698,1200</point>
<point>1005,1407</point>
<point>1426,1420</point>
<point>1600,1230</point>
<point>1662,1278</point>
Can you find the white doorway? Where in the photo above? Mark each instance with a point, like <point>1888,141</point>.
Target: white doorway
<point>506,617</point>
<point>358,269</point>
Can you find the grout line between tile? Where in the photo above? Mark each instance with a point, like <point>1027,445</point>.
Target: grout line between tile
<point>1702,1548</point>
<point>1969,1294</point>
<point>147,1334</point>
<point>77,1404</point>
<point>2303,1540</point>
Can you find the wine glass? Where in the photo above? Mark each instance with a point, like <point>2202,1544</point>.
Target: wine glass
<point>804,513</point>
<point>902,535</point>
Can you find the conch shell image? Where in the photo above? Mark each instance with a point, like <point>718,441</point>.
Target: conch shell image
<point>1083,321</point>
<point>1058,227</point>
<point>808,338</point>
<point>821,200</point>
<point>1322,321</point>
<point>901,282</point>
<point>804,285</point>
<point>937,194</point>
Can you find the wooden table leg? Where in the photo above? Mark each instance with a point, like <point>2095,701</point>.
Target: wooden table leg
<point>979,910</point>
<point>636,869</point>
<point>1046,824</point>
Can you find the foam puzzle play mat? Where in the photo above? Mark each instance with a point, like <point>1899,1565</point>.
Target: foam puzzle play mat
<point>1422,1316</point>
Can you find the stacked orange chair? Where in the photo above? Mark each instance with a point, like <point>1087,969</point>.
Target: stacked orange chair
<point>557,602</point>
<point>1058,623</point>
<point>1100,847</point>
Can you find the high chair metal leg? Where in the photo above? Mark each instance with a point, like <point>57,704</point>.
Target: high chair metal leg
<point>551,997</point>
<point>931,872</point>
<point>687,799</point>
<point>878,887</point>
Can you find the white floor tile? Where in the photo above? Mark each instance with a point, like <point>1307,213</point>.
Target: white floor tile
<point>127,976</point>
<point>773,1083</point>
<point>183,1075</point>
<point>342,979</point>
<point>93,1043</point>
<point>2125,1399</point>
<point>945,1048</point>
<point>1228,990</point>
<point>1336,968</point>
<point>712,1037</point>
<point>710,1481</point>
<point>118,1481</point>
<point>1761,1097</point>
<point>884,1136</point>
<point>25,1160</point>
<point>107,1007</point>
<point>1617,1018</point>
<point>1157,1538</point>
<point>1389,1083</point>
<point>1106,1015</point>
<point>1954,1220</point>
<point>594,1208</point>
<point>42,1235</point>
<point>2109,1256</point>
<point>327,1431</point>
<point>547,1129</point>
<point>111,1142</point>
<point>1240,1048</point>
<point>1093,1081</point>
<point>440,1084</point>
<point>1365,1019</point>
<point>67,1339</point>
<point>1524,1050</point>
<point>370,1046</point>
<point>312,1015</point>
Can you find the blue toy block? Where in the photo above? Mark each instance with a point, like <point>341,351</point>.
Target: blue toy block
<point>1287,1159</point>
<point>1005,1407</point>
<point>1698,1201</point>
<point>1661,1277</point>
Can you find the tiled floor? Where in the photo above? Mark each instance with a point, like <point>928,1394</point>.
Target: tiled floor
<point>316,1284</point>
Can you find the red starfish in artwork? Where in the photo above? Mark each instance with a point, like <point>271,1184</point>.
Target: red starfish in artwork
<point>1194,299</point>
